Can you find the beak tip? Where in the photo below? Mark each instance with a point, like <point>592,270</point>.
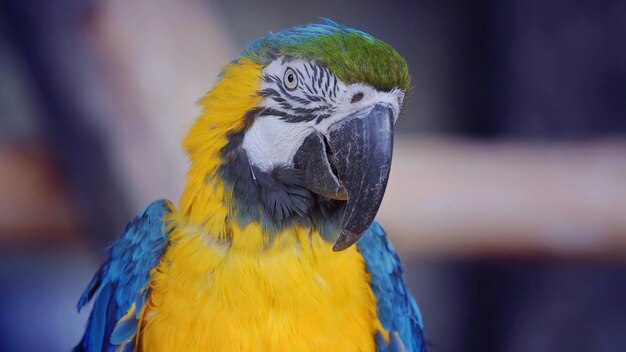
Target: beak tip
<point>338,248</point>
<point>345,240</point>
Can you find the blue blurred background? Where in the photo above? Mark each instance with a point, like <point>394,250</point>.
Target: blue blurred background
<point>507,199</point>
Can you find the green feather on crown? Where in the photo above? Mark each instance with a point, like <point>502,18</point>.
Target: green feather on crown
<point>353,56</point>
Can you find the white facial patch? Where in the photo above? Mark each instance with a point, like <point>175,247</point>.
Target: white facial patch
<point>271,141</point>
<point>294,109</point>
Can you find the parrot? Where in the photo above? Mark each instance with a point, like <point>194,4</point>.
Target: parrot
<point>273,246</point>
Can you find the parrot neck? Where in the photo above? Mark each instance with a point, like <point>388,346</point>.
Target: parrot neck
<point>245,206</point>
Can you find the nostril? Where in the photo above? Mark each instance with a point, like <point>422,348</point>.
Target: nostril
<point>357,97</point>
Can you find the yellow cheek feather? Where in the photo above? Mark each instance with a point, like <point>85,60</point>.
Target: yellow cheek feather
<point>223,287</point>
<point>223,110</point>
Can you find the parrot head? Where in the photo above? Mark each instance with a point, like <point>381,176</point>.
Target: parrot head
<point>300,128</point>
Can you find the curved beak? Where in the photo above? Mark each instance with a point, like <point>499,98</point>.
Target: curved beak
<point>352,163</point>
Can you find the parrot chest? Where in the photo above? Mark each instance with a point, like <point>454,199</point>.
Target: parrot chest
<point>288,297</point>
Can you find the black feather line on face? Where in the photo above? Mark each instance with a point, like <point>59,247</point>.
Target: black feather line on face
<point>299,115</point>
<point>272,93</point>
<point>314,76</point>
<point>312,97</point>
<point>275,199</point>
<point>327,84</point>
<point>249,118</point>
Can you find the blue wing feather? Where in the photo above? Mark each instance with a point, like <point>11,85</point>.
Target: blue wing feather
<point>397,310</point>
<point>123,281</point>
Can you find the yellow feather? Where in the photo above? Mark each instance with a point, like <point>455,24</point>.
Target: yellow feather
<point>223,287</point>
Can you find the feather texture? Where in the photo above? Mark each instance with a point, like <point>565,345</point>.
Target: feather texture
<point>120,287</point>
<point>397,310</point>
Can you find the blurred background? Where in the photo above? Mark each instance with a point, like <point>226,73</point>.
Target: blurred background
<point>507,199</point>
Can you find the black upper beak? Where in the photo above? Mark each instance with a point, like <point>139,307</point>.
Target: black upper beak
<point>352,163</point>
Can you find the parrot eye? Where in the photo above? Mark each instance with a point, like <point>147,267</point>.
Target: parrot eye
<point>290,79</point>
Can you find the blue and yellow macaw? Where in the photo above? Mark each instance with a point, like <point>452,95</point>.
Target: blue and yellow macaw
<point>290,158</point>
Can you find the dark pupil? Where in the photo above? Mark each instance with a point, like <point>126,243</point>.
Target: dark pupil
<point>290,77</point>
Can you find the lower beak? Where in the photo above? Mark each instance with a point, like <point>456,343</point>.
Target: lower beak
<point>353,165</point>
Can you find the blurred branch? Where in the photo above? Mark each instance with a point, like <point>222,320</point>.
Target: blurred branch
<point>34,203</point>
<point>458,197</point>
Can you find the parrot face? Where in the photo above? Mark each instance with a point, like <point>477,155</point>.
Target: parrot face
<point>306,116</point>
<point>340,135</point>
